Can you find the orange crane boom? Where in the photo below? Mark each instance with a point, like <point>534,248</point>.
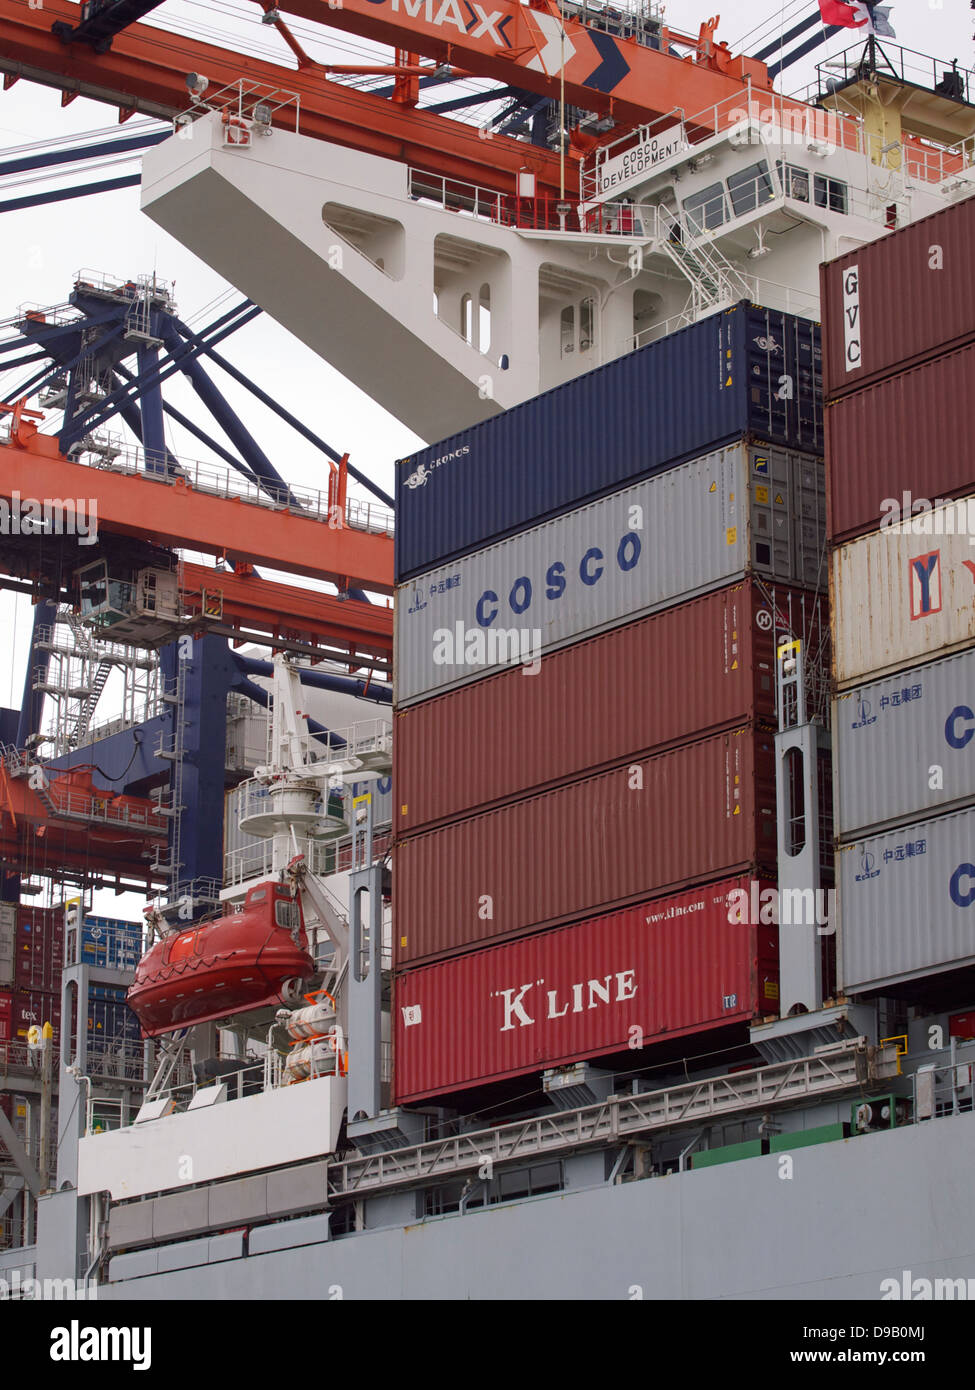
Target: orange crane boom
<point>530,47</point>
<point>145,71</point>
<point>535,45</point>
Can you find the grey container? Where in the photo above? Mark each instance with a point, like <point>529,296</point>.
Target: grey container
<point>741,510</point>
<point>904,746</point>
<point>907,903</point>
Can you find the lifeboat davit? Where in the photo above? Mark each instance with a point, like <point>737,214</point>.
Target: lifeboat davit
<point>234,963</point>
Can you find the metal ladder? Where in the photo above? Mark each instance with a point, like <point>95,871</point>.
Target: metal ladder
<point>713,279</point>
<point>175,697</point>
<point>170,1056</point>
<point>87,710</point>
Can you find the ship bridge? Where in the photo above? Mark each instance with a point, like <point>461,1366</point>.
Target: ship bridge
<point>459,301</point>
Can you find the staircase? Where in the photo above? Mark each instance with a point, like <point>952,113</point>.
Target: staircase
<point>714,281</point>
<point>90,701</point>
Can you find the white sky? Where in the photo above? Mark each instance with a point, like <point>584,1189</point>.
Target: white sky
<point>44,248</point>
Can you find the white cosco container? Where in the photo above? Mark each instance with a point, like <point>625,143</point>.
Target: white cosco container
<point>904,746</point>
<point>737,511</point>
<point>904,595</point>
<point>906,904</point>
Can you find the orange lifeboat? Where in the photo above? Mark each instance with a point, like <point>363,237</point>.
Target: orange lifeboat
<point>230,965</point>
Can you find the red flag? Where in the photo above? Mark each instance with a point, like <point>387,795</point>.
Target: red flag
<point>850,16</point>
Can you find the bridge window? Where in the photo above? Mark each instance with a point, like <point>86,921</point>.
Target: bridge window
<point>750,187</point>
<point>707,209</point>
<point>568,329</point>
<point>830,193</point>
<point>585,325</point>
<point>484,318</point>
<point>577,326</point>
<point>795,802</point>
<point>795,181</point>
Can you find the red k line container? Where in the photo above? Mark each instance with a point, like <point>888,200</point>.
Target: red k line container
<point>662,969</point>
<point>908,434</point>
<point>652,825</point>
<point>689,671</point>
<point>899,300</point>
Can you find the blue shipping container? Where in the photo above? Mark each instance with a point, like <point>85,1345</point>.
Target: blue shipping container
<point>744,372</point>
<point>110,942</point>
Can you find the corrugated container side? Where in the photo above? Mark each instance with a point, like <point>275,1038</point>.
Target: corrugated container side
<point>33,1008</point>
<point>896,300</point>
<point>697,528</point>
<point>8,943</point>
<point>907,903</point>
<point>39,948</point>
<point>6,1014</point>
<point>899,598</point>
<point>890,735</point>
<point>709,383</point>
<point>652,825</point>
<point>909,434</point>
<point>688,671</point>
<point>663,969</point>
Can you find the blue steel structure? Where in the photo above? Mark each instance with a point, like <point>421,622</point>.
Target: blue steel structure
<point>88,366</point>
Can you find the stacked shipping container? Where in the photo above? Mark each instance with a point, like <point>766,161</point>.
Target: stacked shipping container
<point>585,698</point>
<point>31,961</point>
<point>31,964</point>
<point>900,479</point>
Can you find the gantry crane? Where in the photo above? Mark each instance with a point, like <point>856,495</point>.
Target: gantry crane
<point>595,58</point>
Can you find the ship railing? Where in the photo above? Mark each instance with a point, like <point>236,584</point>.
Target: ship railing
<point>945,1087</point>
<point>252,860</point>
<point>786,119</point>
<point>124,1060</point>
<point>18,1056</point>
<point>541,213</point>
<point>119,652</point>
<point>908,64</point>
<point>641,22</point>
<point>247,1080</point>
<point>102,283</point>
<point>767,293</point>
<point>245,103</point>
<point>13,759</point>
<point>112,453</point>
<point>357,740</point>
<point>71,804</point>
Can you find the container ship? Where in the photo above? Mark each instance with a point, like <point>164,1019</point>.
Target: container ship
<point>561,870</point>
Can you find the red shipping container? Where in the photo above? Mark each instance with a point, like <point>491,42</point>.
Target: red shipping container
<point>656,683</point>
<point>895,302</point>
<point>615,983</point>
<point>910,434</point>
<point>34,1007</point>
<point>6,1015</point>
<point>39,951</point>
<point>649,826</point>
